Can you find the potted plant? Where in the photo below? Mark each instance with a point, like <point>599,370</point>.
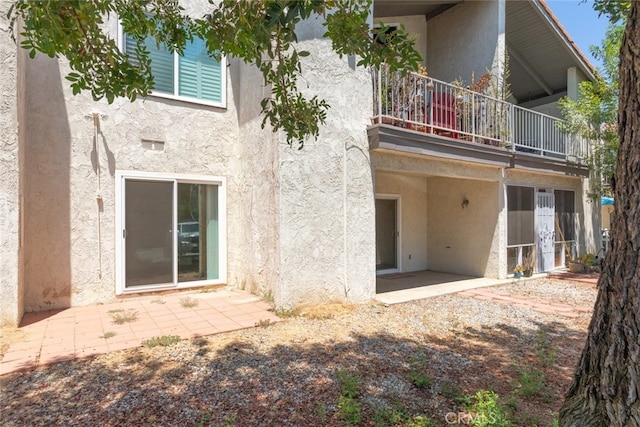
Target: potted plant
<point>575,266</point>
<point>517,271</point>
<point>528,264</point>
<point>582,264</point>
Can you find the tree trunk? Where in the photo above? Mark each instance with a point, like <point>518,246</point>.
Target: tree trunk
<point>605,390</point>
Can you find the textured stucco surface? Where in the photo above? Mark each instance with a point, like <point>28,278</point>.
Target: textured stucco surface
<point>300,224</point>
<point>416,26</point>
<point>70,237</point>
<point>10,290</point>
<point>464,40</point>
<point>473,240</point>
<point>413,207</point>
<point>463,239</point>
<point>254,257</point>
<point>327,222</point>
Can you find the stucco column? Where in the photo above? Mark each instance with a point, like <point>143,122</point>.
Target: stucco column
<point>11,308</point>
<point>501,228</point>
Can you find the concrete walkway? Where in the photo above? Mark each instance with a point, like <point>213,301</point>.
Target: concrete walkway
<point>405,287</point>
<point>54,336</point>
<point>523,301</point>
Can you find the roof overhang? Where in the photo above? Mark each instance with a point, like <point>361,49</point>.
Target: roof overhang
<point>540,49</point>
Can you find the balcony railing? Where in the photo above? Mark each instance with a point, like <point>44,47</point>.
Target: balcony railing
<point>425,104</point>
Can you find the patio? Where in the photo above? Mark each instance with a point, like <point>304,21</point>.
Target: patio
<point>59,335</point>
<point>403,287</point>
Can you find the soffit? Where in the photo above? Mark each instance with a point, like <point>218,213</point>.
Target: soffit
<point>428,8</point>
<point>540,49</point>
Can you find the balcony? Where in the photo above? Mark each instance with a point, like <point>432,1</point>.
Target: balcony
<point>470,120</point>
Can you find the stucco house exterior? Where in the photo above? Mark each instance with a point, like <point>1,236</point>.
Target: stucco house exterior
<point>184,189</point>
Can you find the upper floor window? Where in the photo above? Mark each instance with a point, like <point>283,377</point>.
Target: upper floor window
<point>194,76</point>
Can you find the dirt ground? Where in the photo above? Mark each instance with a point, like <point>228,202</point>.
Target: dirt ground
<point>414,364</point>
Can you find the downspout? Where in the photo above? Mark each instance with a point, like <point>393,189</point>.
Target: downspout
<point>99,202</point>
<point>344,223</point>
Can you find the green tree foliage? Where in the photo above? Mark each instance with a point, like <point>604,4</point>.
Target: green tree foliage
<point>263,33</point>
<point>594,115</point>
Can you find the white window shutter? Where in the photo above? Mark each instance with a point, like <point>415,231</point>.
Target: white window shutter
<point>200,75</point>
<point>162,67</point>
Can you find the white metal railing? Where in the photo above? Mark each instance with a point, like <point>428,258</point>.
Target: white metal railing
<point>422,103</point>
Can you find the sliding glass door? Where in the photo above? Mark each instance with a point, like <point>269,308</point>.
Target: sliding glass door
<point>171,232</point>
<point>147,233</point>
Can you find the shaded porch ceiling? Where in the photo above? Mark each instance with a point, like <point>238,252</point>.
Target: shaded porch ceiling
<point>539,48</point>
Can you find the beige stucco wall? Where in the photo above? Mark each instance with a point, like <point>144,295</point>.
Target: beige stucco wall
<point>607,216</point>
<point>416,26</point>
<point>466,39</point>
<point>472,240</point>
<point>300,224</point>
<point>463,240</point>
<point>11,293</point>
<point>254,257</point>
<point>413,208</point>
<point>327,211</point>
<point>69,235</point>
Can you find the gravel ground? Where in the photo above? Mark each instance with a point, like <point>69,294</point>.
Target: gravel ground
<point>289,373</point>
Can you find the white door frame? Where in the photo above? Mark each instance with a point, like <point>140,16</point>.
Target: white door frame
<point>397,198</point>
<point>120,178</point>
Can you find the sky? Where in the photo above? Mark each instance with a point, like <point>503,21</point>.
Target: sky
<point>581,22</point>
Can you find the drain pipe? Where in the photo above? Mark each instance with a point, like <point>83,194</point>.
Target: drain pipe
<point>99,202</point>
<point>344,222</point>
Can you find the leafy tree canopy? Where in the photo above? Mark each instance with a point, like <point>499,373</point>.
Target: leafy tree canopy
<point>616,10</point>
<point>262,33</point>
<point>594,115</point>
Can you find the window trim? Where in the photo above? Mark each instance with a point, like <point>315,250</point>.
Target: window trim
<point>120,271</point>
<point>175,97</point>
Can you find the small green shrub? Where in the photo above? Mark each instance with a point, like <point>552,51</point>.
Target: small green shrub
<point>419,380</point>
<point>486,410</point>
<point>349,384</point>
<point>455,393</point>
<point>188,302</point>
<point>108,334</point>
<point>285,313</point>
<point>205,418</point>
<point>398,415</point>
<point>321,411</point>
<point>547,353</point>
<point>349,409</point>
<point>420,421</point>
<point>120,316</point>
<point>263,323</point>
<point>162,341</point>
<point>268,297</point>
<point>417,376</point>
<point>587,259</point>
<point>531,382</point>
<point>230,419</point>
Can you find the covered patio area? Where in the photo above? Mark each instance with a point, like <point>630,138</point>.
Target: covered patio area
<point>403,287</point>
